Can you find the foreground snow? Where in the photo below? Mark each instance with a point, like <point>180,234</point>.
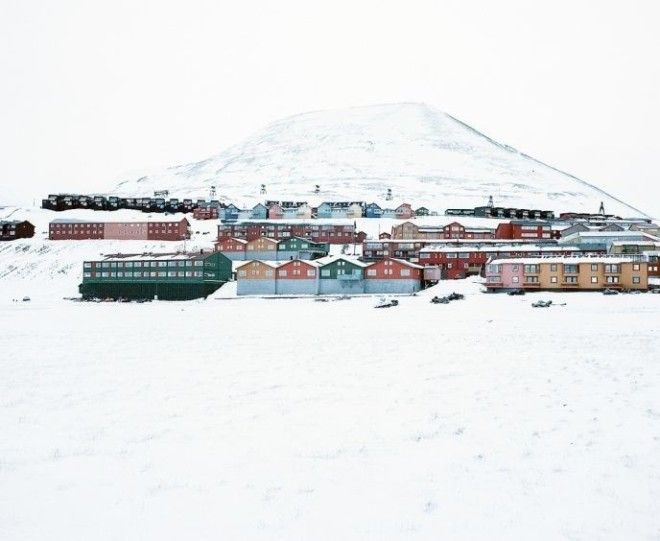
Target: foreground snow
<point>294,419</point>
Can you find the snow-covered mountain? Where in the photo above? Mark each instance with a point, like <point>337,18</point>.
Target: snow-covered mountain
<point>425,156</point>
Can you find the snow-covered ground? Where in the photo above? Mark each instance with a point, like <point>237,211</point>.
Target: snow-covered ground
<point>255,419</point>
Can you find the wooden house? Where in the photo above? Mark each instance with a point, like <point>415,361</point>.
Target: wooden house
<point>15,229</point>
<point>393,276</point>
<point>297,277</point>
<point>340,275</point>
<point>256,278</point>
<point>261,248</point>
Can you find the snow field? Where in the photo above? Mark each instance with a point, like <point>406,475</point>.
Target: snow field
<point>294,419</point>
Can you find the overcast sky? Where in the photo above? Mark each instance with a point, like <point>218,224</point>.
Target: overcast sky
<point>93,92</point>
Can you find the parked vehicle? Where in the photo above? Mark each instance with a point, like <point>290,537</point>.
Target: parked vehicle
<point>516,292</point>
<point>610,292</point>
<point>386,303</point>
<point>542,304</point>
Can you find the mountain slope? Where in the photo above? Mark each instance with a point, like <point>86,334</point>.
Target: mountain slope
<point>425,156</point>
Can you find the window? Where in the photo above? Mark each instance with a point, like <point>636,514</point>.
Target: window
<point>282,273</point>
<point>636,267</point>
<point>515,279</point>
<point>571,279</point>
<point>172,274</point>
<point>311,273</point>
<point>612,279</point>
<point>371,272</point>
<point>494,279</point>
<point>636,280</point>
<point>611,269</point>
<point>594,279</point>
<point>553,267</point>
<point>531,269</point>
<point>405,272</point>
<point>516,268</point>
<point>553,279</point>
<point>493,269</point>
<point>532,279</point>
<point>570,269</point>
<point>87,264</point>
<point>594,267</point>
<point>87,274</point>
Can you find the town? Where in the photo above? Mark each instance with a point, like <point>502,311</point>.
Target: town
<point>294,248</point>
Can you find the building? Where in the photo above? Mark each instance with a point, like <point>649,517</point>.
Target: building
<point>373,250</point>
<point>340,275</point>
<point>261,248</point>
<point>166,276</point>
<point>373,210</point>
<point>602,240</point>
<point>404,211</point>
<point>278,210</point>
<point>456,262</point>
<point>297,277</point>
<point>232,248</point>
<point>332,233</point>
<point>259,212</point>
<point>271,249</point>
<point>422,211</point>
<point>256,278</point>
<point>206,213</point>
<point>524,229</point>
<point>16,229</point>
<point>393,276</point>
<point>329,276</point>
<point>300,248</point>
<point>340,209</point>
<point>502,212</point>
<point>577,273</point>
<point>159,229</point>
<point>453,230</point>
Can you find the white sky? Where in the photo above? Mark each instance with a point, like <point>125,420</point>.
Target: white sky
<point>93,92</point>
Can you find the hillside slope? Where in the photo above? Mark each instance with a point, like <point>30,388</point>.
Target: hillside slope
<point>425,156</point>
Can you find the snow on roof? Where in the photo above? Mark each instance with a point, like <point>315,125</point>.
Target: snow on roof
<point>119,219</point>
<point>503,248</point>
<point>570,260</point>
<point>405,262</point>
<point>242,241</point>
<point>626,233</point>
<point>273,264</point>
<point>330,258</point>
<point>169,256</point>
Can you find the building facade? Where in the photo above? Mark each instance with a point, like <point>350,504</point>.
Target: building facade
<point>72,229</point>
<point>567,273</point>
<point>15,229</point>
<point>166,276</point>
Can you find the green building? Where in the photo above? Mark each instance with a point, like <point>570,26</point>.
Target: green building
<point>166,276</point>
<point>300,248</point>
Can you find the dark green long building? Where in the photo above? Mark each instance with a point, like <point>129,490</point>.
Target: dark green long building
<point>166,276</point>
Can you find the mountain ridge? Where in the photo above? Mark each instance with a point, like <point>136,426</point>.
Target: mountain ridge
<point>426,156</point>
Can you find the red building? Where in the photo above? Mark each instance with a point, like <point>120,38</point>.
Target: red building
<point>525,229</point>
<point>230,245</point>
<point>72,229</point>
<point>454,230</point>
<point>330,233</point>
<point>403,249</point>
<point>16,229</point>
<point>461,261</point>
<point>205,213</point>
<point>392,269</point>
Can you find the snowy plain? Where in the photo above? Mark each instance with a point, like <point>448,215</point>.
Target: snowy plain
<point>262,419</point>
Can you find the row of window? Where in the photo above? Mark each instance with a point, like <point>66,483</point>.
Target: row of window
<point>567,279</point>
<point>130,264</point>
<point>145,274</point>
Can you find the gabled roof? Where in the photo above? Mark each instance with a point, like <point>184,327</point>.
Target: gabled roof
<point>272,264</point>
<point>323,261</point>
<point>401,261</point>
